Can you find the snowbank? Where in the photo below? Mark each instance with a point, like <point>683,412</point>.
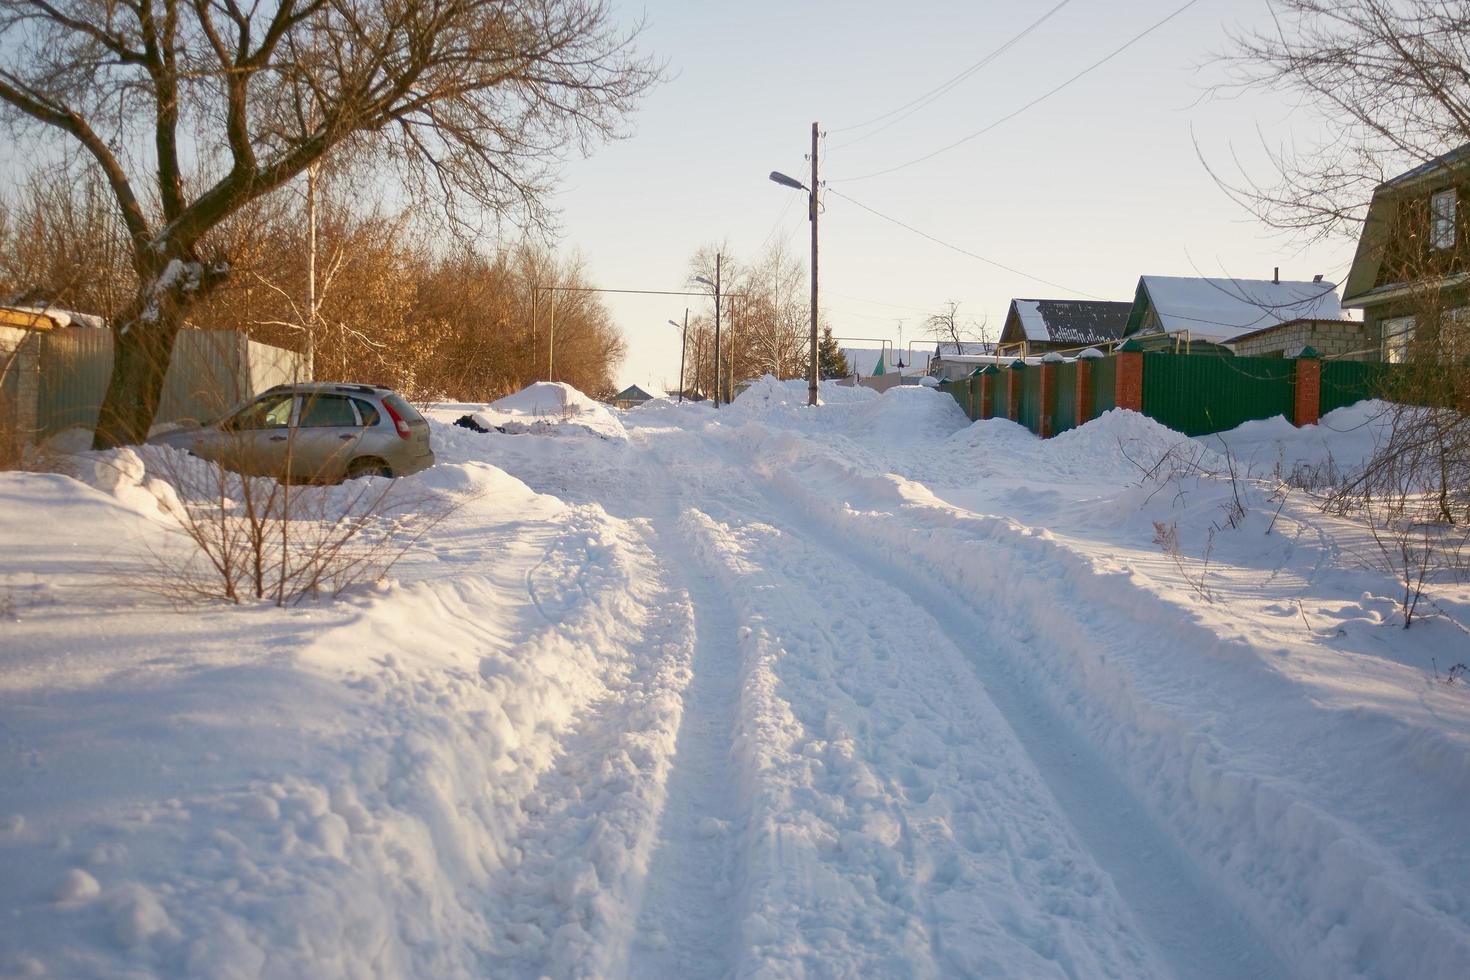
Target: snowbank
<point>547,408</point>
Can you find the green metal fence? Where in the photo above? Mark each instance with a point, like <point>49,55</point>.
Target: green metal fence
<point>1349,382</point>
<point>1104,382</point>
<point>959,391</point>
<point>1065,416</point>
<point>1031,398</point>
<point>998,383</point>
<point>1200,395</point>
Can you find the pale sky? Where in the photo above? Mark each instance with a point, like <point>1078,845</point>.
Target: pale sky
<point>1090,189</point>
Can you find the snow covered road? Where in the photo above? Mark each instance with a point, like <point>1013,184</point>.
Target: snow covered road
<point>762,693</point>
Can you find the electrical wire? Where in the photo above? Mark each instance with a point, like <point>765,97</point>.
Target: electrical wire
<point>962,251</point>
<point>1029,105</point>
<point>909,108</point>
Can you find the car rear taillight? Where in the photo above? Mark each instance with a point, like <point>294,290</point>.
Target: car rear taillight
<point>398,423</point>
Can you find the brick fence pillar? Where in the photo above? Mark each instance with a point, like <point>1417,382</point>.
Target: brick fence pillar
<point>987,390</point>
<point>1013,390</point>
<point>1047,423</point>
<point>1084,390</point>
<point>1129,391</point>
<point>1308,407</point>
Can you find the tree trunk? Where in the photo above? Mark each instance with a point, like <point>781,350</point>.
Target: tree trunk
<point>143,344</point>
<point>141,353</point>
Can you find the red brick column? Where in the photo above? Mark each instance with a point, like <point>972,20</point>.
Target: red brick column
<point>1308,407</point>
<point>1129,391</point>
<point>1084,390</point>
<point>1048,399</point>
<point>1013,391</point>
<point>987,393</point>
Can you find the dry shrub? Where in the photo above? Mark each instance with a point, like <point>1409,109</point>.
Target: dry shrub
<point>255,538</point>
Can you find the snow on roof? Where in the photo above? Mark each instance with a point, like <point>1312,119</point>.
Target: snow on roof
<point>32,315</point>
<point>946,348</point>
<point>1032,322</point>
<point>1072,321</point>
<point>633,392</point>
<point>1222,309</point>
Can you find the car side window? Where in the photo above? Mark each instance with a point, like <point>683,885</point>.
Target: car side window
<point>327,411</point>
<point>270,412</point>
<point>368,411</point>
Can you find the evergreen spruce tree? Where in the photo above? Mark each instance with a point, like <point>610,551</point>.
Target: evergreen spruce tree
<point>831,362</point>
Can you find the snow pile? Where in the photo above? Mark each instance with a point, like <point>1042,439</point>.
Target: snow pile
<point>550,408</point>
<point>350,789</point>
<point>1192,697</point>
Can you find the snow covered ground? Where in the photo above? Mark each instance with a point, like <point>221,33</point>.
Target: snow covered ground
<point>865,690</point>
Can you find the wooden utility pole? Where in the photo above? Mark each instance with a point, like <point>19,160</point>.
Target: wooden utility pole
<point>811,398</point>
<point>716,329</point>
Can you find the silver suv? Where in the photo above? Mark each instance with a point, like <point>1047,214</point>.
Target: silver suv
<point>318,432</point>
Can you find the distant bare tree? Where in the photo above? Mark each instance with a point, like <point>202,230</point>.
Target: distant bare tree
<point>947,327</point>
<point>467,100</point>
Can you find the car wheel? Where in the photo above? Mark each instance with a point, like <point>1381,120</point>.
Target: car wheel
<point>368,467</point>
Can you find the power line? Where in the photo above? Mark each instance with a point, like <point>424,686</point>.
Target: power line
<point>962,251</point>
<point>944,87</point>
<point>1034,102</point>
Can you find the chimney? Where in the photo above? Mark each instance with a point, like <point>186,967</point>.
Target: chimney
<point>1276,276</point>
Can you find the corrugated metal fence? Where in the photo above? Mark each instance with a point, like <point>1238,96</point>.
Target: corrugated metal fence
<point>1200,395</point>
<point>61,376</point>
<point>1193,394</point>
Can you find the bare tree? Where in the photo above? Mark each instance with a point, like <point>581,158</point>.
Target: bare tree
<point>467,100</point>
<point>947,327</point>
<point>1390,81</point>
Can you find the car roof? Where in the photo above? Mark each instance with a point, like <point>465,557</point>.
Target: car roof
<point>334,386</point>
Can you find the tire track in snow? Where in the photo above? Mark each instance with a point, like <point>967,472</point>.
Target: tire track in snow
<point>1196,929</point>
<point>688,922</point>
<point>896,826</point>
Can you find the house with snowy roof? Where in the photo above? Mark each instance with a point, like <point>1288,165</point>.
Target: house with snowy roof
<point>633,396</point>
<point>1251,317</point>
<point>1037,326</point>
<point>1410,272</point>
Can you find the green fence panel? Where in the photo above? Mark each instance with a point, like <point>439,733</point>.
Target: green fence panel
<point>1104,385</point>
<point>1031,399</point>
<point>1349,382</point>
<point>957,390</point>
<point>998,383</point>
<point>1200,395</point>
<point>1066,409</point>
<point>974,409</point>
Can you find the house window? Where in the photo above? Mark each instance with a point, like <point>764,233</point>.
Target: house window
<point>1398,333</point>
<point>1442,219</point>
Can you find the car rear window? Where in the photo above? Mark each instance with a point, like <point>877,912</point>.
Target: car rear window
<point>368,411</point>
<point>327,411</point>
<point>405,411</point>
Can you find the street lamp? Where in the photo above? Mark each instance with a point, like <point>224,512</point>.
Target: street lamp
<point>811,192</point>
<point>716,287</point>
<point>683,343</point>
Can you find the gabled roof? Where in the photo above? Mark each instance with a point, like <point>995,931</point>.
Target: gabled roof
<point>1223,309</point>
<point>1076,322</point>
<point>1359,289</point>
<point>635,393</point>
